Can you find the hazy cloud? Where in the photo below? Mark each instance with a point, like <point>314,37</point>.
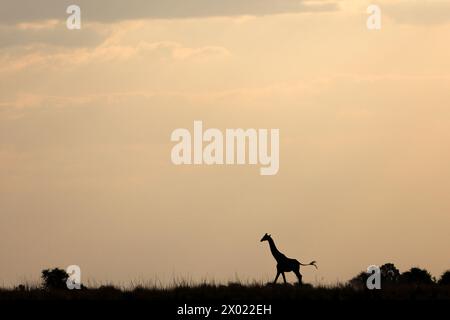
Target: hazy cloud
<point>113,10</point>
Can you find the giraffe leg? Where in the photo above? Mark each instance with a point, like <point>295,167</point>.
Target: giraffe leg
<point>299,276</point>
<point>284,277</point>
<point>276,278</point>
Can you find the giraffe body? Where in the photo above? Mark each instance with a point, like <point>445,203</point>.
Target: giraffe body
<point>285,264</point>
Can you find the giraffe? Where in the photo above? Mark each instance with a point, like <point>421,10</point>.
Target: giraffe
<point>285,264</point>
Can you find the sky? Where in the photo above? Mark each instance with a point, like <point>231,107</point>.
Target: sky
<point>86,117</point>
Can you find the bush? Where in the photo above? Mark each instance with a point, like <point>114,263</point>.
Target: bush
<point>359,281</point>
<point>54,279</point>
<point>416,276</point>
<point>389,274</point>
<point>445,279</point>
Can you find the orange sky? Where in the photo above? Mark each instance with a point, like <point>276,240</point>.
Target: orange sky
<point>86,117</point>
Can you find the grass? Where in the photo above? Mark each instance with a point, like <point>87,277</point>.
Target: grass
<point>210,292</point>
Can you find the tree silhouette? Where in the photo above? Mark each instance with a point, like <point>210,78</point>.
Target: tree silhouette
<point>416,276</point>
<point>54,279</point>
<point>445,278</point>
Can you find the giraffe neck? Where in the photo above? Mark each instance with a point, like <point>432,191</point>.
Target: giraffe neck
<point>276,254</point>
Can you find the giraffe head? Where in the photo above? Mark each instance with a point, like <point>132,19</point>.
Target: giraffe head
<point>266,237</point>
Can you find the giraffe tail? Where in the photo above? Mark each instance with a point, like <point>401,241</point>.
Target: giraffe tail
<point>312,263</point>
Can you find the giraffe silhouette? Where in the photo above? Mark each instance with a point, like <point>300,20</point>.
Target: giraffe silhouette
<point>285,264</point>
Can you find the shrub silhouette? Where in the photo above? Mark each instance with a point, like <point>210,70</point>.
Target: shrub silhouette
<point>389,274</point>
<point>445,279</point>
<point>359,281</point>
<point>416,276</point>
<point>54,279</point>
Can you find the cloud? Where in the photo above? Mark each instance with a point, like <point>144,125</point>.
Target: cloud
<point>51,32</point>
<point>416,12</point>
<point>161,51</point>
<point>176,51</point>
<point>16,11</point>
